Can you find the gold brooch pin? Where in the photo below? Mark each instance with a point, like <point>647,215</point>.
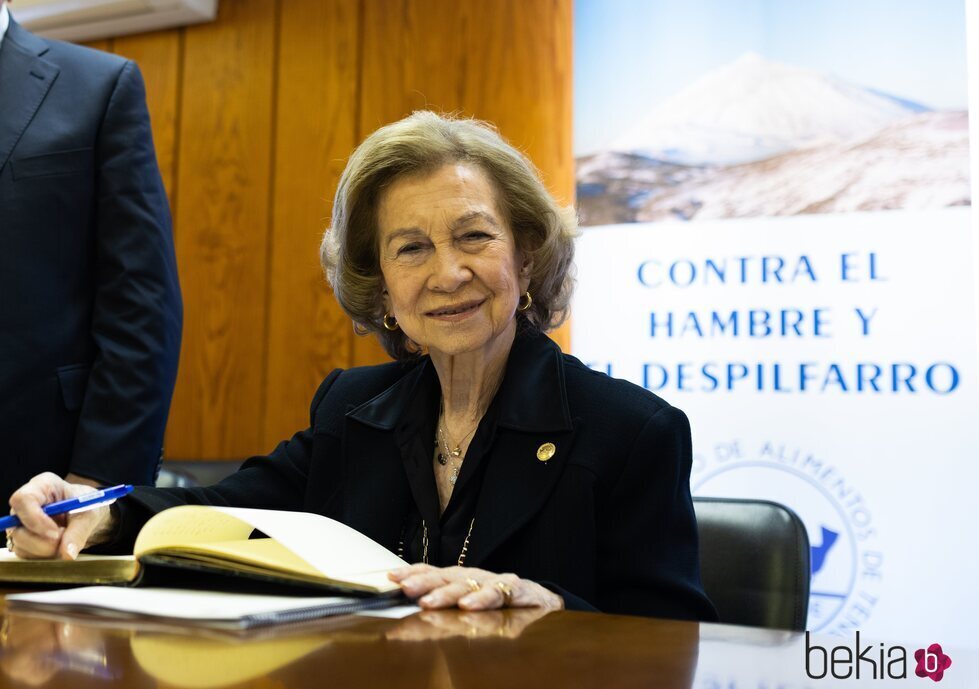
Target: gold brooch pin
<point>546,451</point>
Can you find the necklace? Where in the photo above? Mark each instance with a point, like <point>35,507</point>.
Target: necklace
<point>462,553</point>
<point>445,454</point>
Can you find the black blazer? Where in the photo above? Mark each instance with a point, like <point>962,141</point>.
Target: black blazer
<point>90,309</point>
<point>608,520</point>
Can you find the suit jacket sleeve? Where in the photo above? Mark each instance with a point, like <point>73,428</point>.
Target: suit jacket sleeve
<point>649,563</point>
<point>137,310</point>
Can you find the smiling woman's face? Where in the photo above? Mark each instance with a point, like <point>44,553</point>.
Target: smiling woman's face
<point>452,271</point>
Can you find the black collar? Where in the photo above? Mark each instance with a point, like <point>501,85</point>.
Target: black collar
<point>532,396</point>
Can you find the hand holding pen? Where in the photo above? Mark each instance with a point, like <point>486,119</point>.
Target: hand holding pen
<point>51,518</point>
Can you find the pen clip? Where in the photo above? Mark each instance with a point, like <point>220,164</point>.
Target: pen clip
<point>94,495</point>
<point>93,506</point>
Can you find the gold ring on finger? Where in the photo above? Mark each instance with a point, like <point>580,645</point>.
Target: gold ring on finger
<point>505,591</point>
<point>473,585</point>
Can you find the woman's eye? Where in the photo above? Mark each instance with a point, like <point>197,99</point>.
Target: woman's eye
<point>409,249</point>
<point>475,235</point>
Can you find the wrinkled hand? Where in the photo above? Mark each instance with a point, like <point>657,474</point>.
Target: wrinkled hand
<point>60,537</point>
<point>471,589</point>
<point>75,478</point>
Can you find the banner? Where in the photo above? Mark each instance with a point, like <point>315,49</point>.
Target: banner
<point>778,241</point>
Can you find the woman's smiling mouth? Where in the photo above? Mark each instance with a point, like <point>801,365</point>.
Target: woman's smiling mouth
<point>455,312</point>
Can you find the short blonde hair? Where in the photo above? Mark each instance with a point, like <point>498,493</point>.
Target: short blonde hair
<point>421,143</point>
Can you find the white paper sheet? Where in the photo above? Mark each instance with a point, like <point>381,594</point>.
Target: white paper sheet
<point>335,551</point>
<point>174,603</point>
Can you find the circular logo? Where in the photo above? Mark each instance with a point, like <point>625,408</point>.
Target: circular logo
<point>845,563</point>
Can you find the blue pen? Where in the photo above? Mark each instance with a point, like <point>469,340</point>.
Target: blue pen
<point>79,504</point>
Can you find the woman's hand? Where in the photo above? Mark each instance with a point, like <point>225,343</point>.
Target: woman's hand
<point>472,589</point>
<point>61,537</point>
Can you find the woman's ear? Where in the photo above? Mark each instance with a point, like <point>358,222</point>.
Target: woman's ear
<point>385,298</point>
<point>526,267</point>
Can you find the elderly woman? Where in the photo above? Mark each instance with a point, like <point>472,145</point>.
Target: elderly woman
<point>511,473</point>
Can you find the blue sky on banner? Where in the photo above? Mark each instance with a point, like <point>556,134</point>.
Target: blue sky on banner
<point>631,55</point>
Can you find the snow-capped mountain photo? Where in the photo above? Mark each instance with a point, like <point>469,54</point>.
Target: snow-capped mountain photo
<point>759,138</point>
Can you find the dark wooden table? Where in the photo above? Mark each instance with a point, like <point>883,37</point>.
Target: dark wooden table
<point>513,648</point>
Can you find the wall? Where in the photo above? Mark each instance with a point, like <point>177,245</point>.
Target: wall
<point>253,118</point>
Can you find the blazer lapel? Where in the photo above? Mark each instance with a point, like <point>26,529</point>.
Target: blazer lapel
<point>515,487</point>
<point>400,413</point>
<point>522,470</point>
<point>375,496</point>
<point>25,80</point>
<point>533,411</point>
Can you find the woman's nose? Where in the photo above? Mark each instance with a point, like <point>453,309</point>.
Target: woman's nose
<point>450,271</point>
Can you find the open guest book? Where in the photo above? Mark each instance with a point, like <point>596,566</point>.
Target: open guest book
<point>196,545</point>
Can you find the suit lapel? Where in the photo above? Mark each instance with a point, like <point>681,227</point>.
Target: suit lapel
<point>515,487</point>
<point>399,417</point>
<point>416,457</point>
<point>25,80</point>
<point>375,498</point>
<point>533,412</point>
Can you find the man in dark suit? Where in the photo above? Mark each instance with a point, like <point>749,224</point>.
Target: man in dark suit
<point>90,309</point>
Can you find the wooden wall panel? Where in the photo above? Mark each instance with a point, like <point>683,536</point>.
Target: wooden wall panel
<point>507,61</point>
<point>105,45</point>
<point>309,335</point>
<point>158,57</point>
<point>222,231</point>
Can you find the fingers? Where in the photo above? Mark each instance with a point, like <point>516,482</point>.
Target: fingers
<point>31,546</point>
<point>446,596</point>
<point>468,588</point>
<point>76,534</point>
<point>418,585</point>
<point>404,572</point>
<point>436,587</point>
<point>490,596</point>
<point>28,500</point>
<point>40,536</point>
<point>476,589</point>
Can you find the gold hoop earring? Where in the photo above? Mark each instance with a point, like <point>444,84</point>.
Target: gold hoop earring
<point>390,322</point>
<point>524,302</point>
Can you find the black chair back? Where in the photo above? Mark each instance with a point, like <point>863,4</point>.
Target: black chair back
<point>754,562</point>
